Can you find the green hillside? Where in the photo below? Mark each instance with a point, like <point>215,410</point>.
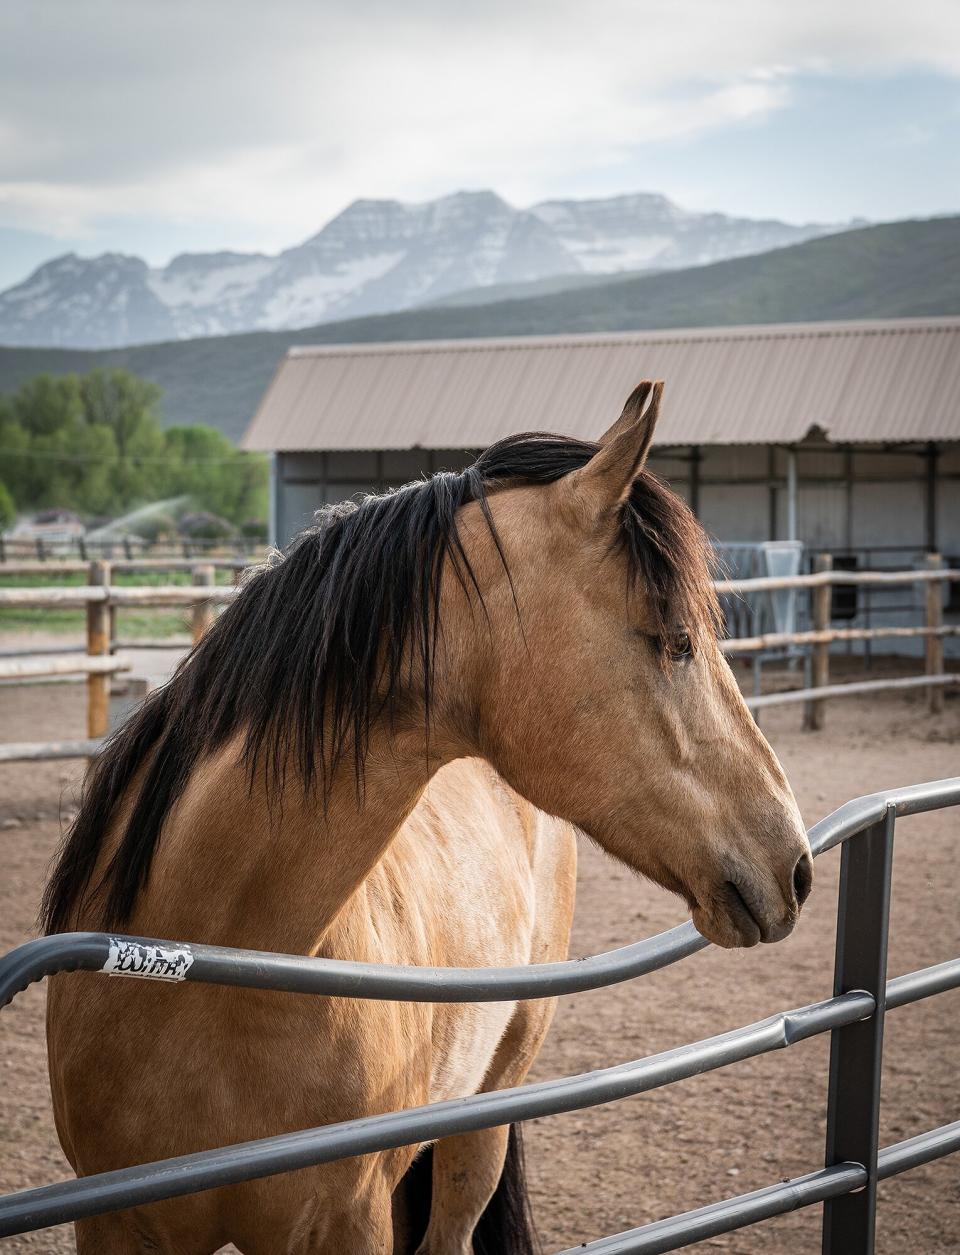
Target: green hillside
<point>530,287</point>
<point>901,269</point>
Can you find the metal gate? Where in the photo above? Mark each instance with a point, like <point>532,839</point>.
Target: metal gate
<point>854,1016</point>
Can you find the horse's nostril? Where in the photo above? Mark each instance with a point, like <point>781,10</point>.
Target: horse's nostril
<point>803,878</point>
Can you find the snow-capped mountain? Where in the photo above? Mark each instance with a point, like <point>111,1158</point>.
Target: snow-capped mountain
<point>376,256</point>
<point>647,231</point>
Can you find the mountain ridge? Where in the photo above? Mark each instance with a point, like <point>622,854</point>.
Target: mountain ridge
<point>374,257</point>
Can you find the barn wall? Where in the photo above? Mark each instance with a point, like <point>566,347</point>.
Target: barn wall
<point>948,505</point>
<point>308,481</point>
<point>739,492</point>
<point>868,501</point>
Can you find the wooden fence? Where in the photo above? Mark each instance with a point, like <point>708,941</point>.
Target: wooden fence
<point>77,566</point>
<point>933,577</point>
<point>101,600</point>
<point>51,553</point>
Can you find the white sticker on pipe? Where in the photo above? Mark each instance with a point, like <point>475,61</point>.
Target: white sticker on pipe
<point>130,958</point>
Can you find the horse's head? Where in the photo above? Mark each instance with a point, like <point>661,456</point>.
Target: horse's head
<point>606,700</point>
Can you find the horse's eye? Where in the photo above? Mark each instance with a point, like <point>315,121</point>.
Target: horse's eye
<point>679,647</point>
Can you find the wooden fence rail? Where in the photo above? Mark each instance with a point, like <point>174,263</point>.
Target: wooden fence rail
<point>49,751</point>
<point>77,566</point>
<point>934,682</point>
<point>156,595</point>
<point>772,583</point>
<point>61,664</point>
<point>159,595</point>
<point>780,640</point>
<point>55,554</point>
<point>755,584</point>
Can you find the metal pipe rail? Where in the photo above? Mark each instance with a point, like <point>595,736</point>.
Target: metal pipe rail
<point>186,1174</point>
<point>773,1200</point>
<point>851,1010</point>
<point>294,973</point>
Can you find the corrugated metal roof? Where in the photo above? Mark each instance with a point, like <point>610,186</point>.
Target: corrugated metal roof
<point>892,380</point>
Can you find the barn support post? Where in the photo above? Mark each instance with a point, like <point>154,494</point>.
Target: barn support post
<point>931,458</point>
<point>856,1050</point>
<point>792,494</point>
<point>772,492</point>
<point>203,577</point>
<point>820,597</point>
<point>696,457</point>
<point>98,643</point>
<point>934,643</point>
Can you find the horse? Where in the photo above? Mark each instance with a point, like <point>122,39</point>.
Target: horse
<point>383,750</point>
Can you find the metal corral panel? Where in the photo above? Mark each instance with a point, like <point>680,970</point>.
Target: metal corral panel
<point>859,381</point>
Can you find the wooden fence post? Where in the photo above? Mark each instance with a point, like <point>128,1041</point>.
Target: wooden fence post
<point>98,643</point>
<point>820,599</point>
<point>112,612</point>
<point>203,577</point>
<point>934,619</point>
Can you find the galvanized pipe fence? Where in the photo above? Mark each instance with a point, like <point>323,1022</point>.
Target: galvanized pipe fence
<point>853,1016</point>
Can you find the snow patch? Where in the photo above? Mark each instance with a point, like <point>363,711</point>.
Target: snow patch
<point>308,297</point>
<point>604,257</point>
<point>206,287</point>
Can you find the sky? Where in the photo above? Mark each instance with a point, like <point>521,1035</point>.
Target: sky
<point>198,125</point>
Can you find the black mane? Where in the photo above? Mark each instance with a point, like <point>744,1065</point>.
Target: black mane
<point>322,641</point>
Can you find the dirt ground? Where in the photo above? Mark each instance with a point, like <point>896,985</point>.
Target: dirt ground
<point>610,1168</point>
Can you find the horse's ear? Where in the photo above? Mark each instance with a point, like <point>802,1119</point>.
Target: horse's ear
<point>607,477</point>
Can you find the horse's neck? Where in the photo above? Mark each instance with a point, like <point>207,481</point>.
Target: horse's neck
<point>234,868</point>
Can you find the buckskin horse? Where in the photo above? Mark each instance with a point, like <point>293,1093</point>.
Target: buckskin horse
<point>381,750</point>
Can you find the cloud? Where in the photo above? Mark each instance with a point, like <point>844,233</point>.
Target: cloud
<point>271,117</point>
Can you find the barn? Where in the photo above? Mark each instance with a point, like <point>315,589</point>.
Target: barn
<point>787,440</point>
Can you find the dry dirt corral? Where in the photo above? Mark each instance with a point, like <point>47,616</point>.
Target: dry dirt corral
<point>599,1171</point>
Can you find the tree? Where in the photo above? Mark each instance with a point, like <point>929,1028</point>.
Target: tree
<point>8,510</point>
<point>18,466</point>
<point>46,404</point>
<point>217,476</point>
<point>94,444</point>
<point>125,405</point>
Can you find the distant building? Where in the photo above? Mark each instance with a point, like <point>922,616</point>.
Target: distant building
<point>840,437</point>
<point>845,436</point>
<point>53,527</point>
